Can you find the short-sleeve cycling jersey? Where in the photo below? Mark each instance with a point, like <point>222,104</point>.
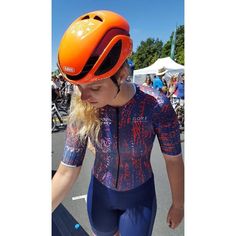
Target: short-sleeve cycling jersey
<point>126,139</point>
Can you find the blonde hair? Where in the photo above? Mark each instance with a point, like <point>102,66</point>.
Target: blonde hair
<point>173,77</point>
<point>84,116</point>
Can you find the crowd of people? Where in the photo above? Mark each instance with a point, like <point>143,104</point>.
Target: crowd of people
<point>61,89</point>
<point>173,88</point>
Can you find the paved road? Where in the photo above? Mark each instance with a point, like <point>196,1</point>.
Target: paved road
<point>78,207</point>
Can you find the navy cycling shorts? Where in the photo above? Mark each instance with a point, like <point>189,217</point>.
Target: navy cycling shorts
<point>131,213</point>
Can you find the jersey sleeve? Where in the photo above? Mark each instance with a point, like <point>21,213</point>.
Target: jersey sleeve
<point>74,150</point>
<point>166,127</point>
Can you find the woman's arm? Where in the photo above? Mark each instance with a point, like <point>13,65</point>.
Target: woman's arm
<point>173,91</point>
<point>62,183</point>
<point>175,170</point>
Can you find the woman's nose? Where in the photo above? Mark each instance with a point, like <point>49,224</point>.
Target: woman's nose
<point>85,96</point>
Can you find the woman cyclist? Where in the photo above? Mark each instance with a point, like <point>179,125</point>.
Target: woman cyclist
<point>121,121</point>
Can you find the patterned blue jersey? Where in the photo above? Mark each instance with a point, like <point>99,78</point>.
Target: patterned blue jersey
<point>126,139</point>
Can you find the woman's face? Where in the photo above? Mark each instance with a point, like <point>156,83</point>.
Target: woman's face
<point>149,81</point>
<point>174,79</point>
<point>99,93</point>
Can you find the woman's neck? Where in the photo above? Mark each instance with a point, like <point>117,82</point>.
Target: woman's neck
<point>127,91</point>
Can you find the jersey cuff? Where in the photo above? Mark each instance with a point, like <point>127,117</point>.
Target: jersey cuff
<point>167,155</point>
<point>67,165</point>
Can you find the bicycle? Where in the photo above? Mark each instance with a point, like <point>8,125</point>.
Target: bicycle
<point>59,118</point>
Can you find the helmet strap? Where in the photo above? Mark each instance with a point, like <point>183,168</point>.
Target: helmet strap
<point>114,80</point>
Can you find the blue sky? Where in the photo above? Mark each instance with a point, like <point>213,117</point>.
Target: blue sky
<point>147,18</point>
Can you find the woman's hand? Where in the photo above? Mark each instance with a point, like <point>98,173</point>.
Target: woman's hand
<point>175,216</point>
<point>175,170</point>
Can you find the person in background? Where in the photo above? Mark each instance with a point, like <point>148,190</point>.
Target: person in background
<point>164,89</point>
<point>68,92</point>
<point>172,86</point>
<point>157,81</point>
<point>131,65</point>
<point>180,87</point>
<point>55,90</point>
<point>62,82</point>
<point>58,81</point>
<point>148,81</point>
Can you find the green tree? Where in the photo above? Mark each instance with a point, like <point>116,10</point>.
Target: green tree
<point>147,53</point>
<point>56,72</point>
<point>166,49</point>
<point>179,46</point>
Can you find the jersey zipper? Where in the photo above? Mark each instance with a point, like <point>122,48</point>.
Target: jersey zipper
<point>118,149</point>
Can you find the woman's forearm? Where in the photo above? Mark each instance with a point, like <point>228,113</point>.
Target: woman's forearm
<point>62,183</point>
<point>175,170</point>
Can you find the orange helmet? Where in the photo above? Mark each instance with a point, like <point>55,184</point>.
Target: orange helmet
<point>94,47</point>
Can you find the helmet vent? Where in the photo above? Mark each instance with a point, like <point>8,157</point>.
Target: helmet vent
<point>85,17</point>
<point>110,60</point>
<point>98,18</point>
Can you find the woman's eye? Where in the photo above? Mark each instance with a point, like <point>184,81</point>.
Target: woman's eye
<point>95,88</point>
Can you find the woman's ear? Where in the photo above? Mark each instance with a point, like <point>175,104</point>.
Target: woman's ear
<point>124,73</point>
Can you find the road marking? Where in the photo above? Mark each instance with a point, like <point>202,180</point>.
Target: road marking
<point>80,197</point>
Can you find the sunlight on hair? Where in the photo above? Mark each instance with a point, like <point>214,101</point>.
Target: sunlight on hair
<point>84,116</point>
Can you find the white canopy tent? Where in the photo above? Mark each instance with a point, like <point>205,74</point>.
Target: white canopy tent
<point>166,62</point>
